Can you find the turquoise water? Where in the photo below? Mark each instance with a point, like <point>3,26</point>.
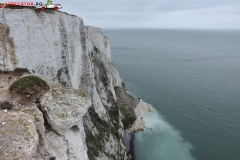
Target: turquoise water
<point>192,80</point>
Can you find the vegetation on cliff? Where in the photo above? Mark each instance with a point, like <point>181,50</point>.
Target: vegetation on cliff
<point>28,85</point>
<point>6,105</point>
<point>28,89</point>
<point>126,104</point>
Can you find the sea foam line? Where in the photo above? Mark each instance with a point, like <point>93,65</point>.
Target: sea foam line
<point>161,141</point>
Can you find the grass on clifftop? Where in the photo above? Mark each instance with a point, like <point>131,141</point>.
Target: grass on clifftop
<point>27,83</point>
<point>28,89</point>
<point>22,70</point>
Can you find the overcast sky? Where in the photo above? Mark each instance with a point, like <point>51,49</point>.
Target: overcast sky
<point>220,14</point>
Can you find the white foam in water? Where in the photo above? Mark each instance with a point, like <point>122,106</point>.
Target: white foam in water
<point>161,141</point>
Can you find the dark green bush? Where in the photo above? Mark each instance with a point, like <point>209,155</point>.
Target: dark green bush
<point>6,105</point>
<point>4,72</point>
<point>27,82</point>
<point>22,70</point>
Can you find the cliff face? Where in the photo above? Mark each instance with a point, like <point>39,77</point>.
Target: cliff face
<point>60,48</point>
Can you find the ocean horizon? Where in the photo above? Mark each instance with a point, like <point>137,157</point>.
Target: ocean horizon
<point>191,79</point>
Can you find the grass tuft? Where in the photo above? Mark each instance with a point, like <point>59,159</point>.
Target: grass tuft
<point>22,70</point>
<point>52,158</point>
<point>6,105</point>
<point>26,83</point>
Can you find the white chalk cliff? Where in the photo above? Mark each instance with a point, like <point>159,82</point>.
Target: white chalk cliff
<point>69,124</point>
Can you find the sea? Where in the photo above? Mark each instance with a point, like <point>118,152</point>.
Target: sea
<point>191,80</point>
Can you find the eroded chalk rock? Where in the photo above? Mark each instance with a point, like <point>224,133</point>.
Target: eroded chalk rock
<point>141,110</point>
<point>18,137</point>
<point>63,107</point>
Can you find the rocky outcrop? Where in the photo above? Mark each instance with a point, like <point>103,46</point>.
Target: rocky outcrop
<point>141,110</point>
<point>63,110</point>
<point>132,110</point>
<point>50,127</point>
<point>60,48</point>
<point>18,135</point>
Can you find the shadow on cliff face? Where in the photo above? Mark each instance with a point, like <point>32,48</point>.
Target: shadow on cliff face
<point>7,48</point>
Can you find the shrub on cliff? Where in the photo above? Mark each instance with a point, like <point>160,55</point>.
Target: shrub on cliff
<point>6,105</point>
<point>22,70</point>
<point>52,158</point>
<point>28,85</point>
<point>3,72</point>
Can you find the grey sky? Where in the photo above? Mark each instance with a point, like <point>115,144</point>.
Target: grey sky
<point>221,14</point>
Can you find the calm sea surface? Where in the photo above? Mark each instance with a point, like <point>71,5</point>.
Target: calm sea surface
<point>191,78</point>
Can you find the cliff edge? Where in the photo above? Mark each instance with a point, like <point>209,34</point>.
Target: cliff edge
<point>81,115</point>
